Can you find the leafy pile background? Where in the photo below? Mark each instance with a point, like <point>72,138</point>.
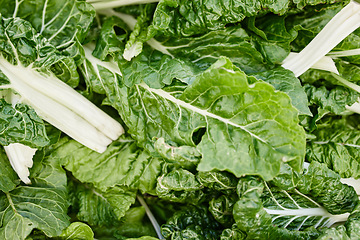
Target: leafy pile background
<point>208,107</point>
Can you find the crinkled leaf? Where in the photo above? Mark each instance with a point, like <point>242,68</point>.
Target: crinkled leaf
<point>232,42</point>
<point>64,23</point>
<point>101,208</point>
<point>333,99</point>
<point>232,233</point>
<point>111,38</point>
<point>221,208</point>
<point>31,48</point>
<point>186,157</point>
<point>134,224</point>
<point>179,186</point>
<point>123,163</point>
<point>191,223</point>
<point>219,181</point>
<point>337,145</point>
<point>300,203</point>
<point>251,217</point>
<point>311,21</point>
<point>348,231</point>
<point>156,69</point>
<point>272,39</point>
<point>186,18</point>
<point>321,184</point>
<point>21,124</point>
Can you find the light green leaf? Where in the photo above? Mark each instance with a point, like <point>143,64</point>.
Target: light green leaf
<point>77,231</point>
<point>185,156</point>
<point>123,163</point>
<point>285,81</point>
<point>101,208</point>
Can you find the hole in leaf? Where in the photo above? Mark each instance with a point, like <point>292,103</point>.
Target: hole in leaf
<point>119,31</point>
<point>198,134</point>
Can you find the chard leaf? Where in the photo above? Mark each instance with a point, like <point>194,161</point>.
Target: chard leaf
<point>64,23</point>
<point>330,99</point>
<point>133,225</point>
<point>151,66</point>
<point>285,81</point>
<point>337,145</point>
<point>192,222</point>
<point>219,181</point>
<point>186,157</point>
<point>272,39</point>
<point>293,205</point>
<point>251,217</point>
<point>8,177</point>
<point>77,231</point>
<point>232,112</point>
<point>322,184</point>
<point>225,113</point>
<point>101,208</point>
<point>187,18</point>
<point>204,50</point>
<point>156,69</point>
<point>232,234</point>
<point>21,124</point>
<point>21,45</point>
<point>179,186</point>
<point>221,208</point>
<point>123,163</point>
<point>350,230</point>
<point>42,205</point>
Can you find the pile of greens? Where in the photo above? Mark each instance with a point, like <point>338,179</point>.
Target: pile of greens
<point>179,119</point>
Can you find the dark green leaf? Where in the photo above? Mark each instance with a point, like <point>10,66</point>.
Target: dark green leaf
<point>21,124</point>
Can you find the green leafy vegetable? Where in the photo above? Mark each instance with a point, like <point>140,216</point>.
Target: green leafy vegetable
<point>235,124</point>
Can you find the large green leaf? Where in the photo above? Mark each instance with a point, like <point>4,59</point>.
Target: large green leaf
<point>238,109</point>
<point>204,50</point>
<point>240,124</point>
<point>41,205</point>
<point>186,18</point>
